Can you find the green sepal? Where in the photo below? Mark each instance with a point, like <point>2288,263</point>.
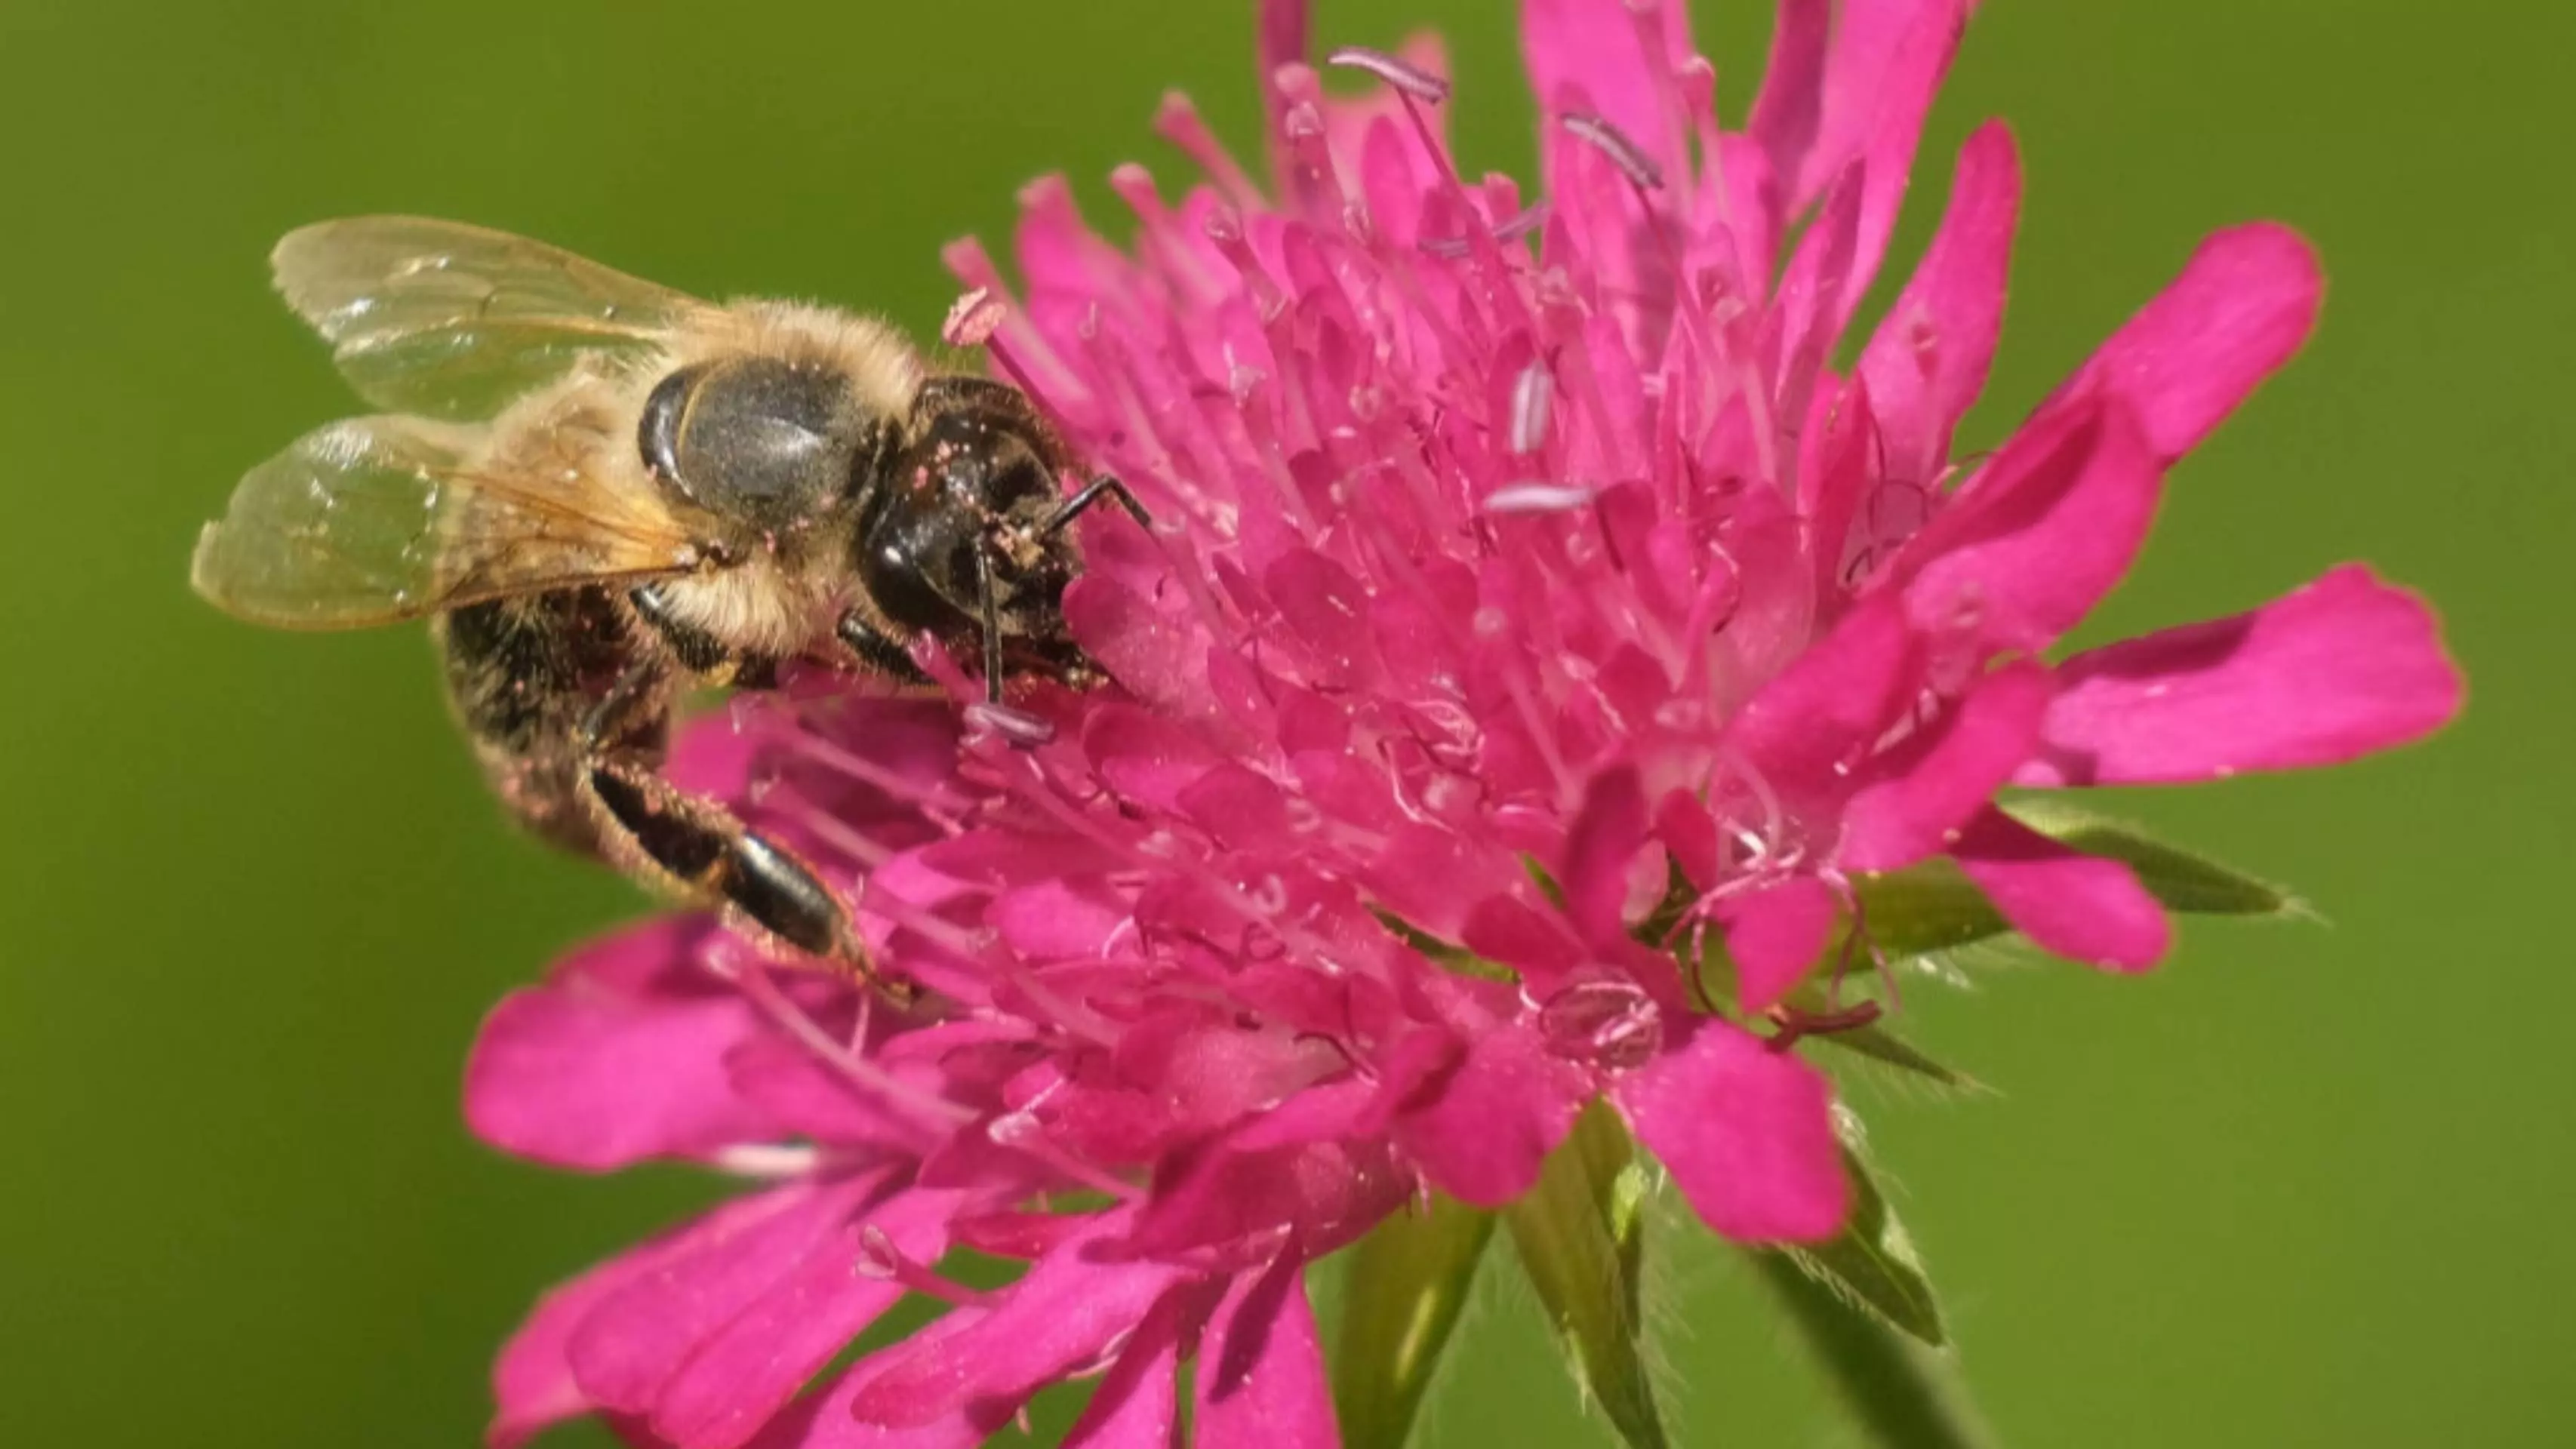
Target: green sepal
<point>1901,1394</point>
<point>1406,1284</point>
<point>1933,907</point>
<point>1581,1238</point>
<point>2181,880</point>
<point>1925,908</point>
<point>1876,1042</point>
<point>1872,1265</point>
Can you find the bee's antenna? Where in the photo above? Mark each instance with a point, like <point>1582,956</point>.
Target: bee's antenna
<point>1092,492</point>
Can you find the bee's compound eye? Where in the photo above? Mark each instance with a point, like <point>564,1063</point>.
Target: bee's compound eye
<point>757,438</point>
<point>658,435</point>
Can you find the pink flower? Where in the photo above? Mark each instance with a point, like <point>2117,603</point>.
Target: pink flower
<point>1522,569</point>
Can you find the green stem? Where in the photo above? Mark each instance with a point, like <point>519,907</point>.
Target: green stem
<point>1906,1395</point>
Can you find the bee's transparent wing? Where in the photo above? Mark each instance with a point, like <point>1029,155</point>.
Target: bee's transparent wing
<point>370,520</point>
<point>453,321</point>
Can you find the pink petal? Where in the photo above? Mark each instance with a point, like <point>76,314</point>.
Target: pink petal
<point>1053,917</point>
<point>1833,701</point>
<point>532,1381</point>
<point>1746,1132</point>
<point>1241,1192</point>
<point>2240,309</point>
<point>1060,1316</point>
<point>1774,935</point>
<point>824,1421</point>
<point>1152,651</point>
<point>617,1058</point>
<point>638,1349</point>
<point>1859,95</point>
<point>1903,95</point>
<point>1261,1373</point>
<point>812,1099</point>
<point>1789,110</point>
<point>1937,790</point>
<point>2080,906</point>
<point>2343,667</point>
<point>1603,842</point>
<point>1812,299</point>
<point>1927,362</point>
<point>2029,545</point>
<point>532,1386</point>
<point>1482,1133</point>
<point>1145,756</point>
<point>1137,1405</point>
<point>736,1379</point>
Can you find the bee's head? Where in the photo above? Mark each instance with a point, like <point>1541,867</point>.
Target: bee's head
<point>765,442</point>
<point>969,495</point>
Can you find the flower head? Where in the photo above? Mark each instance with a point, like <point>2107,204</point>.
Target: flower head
<point>1539,646</point>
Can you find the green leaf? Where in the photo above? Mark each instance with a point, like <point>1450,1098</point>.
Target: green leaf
<point>1872,1264</point>
<point>1407,1282</point>
<point>1581,1236</point>
<point>2183,881</point>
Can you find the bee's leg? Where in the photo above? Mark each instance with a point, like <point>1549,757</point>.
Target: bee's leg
<point>703,846</point>
<point>877,649</point>
<point>1092,492</point>
<point>706,848</point>
<point>992,625</point>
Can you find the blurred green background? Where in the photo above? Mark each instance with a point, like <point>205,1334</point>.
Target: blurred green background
<point>2302,1186</point>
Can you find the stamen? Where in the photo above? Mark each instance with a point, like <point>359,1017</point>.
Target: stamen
<point>1536,497</point>
<point>1612,142</point>
<point>1795,1025</point>
<point>1609,1023</point>
<point>932,799</point>
<point>1414,81</point>
<point>1450,248</point>
<point>768,1161</point>
<point>1040,372</point>
<point>1533,393</point>
<point>751,974</point>
<point>1179,122</point>
<point>837,833</point>
<point>1530,218</point>
<point>973,320</point>
<point>880,1258</point>
<point>1767,837</point>
<point>1021,728</point>
<point>1022,1132</point>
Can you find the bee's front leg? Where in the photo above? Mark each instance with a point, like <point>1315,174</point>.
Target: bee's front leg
<point>877,649</point>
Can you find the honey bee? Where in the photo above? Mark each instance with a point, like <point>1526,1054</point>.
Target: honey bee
<point>603,494</point>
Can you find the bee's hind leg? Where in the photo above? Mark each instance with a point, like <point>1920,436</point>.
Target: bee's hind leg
<point>705,848</point>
